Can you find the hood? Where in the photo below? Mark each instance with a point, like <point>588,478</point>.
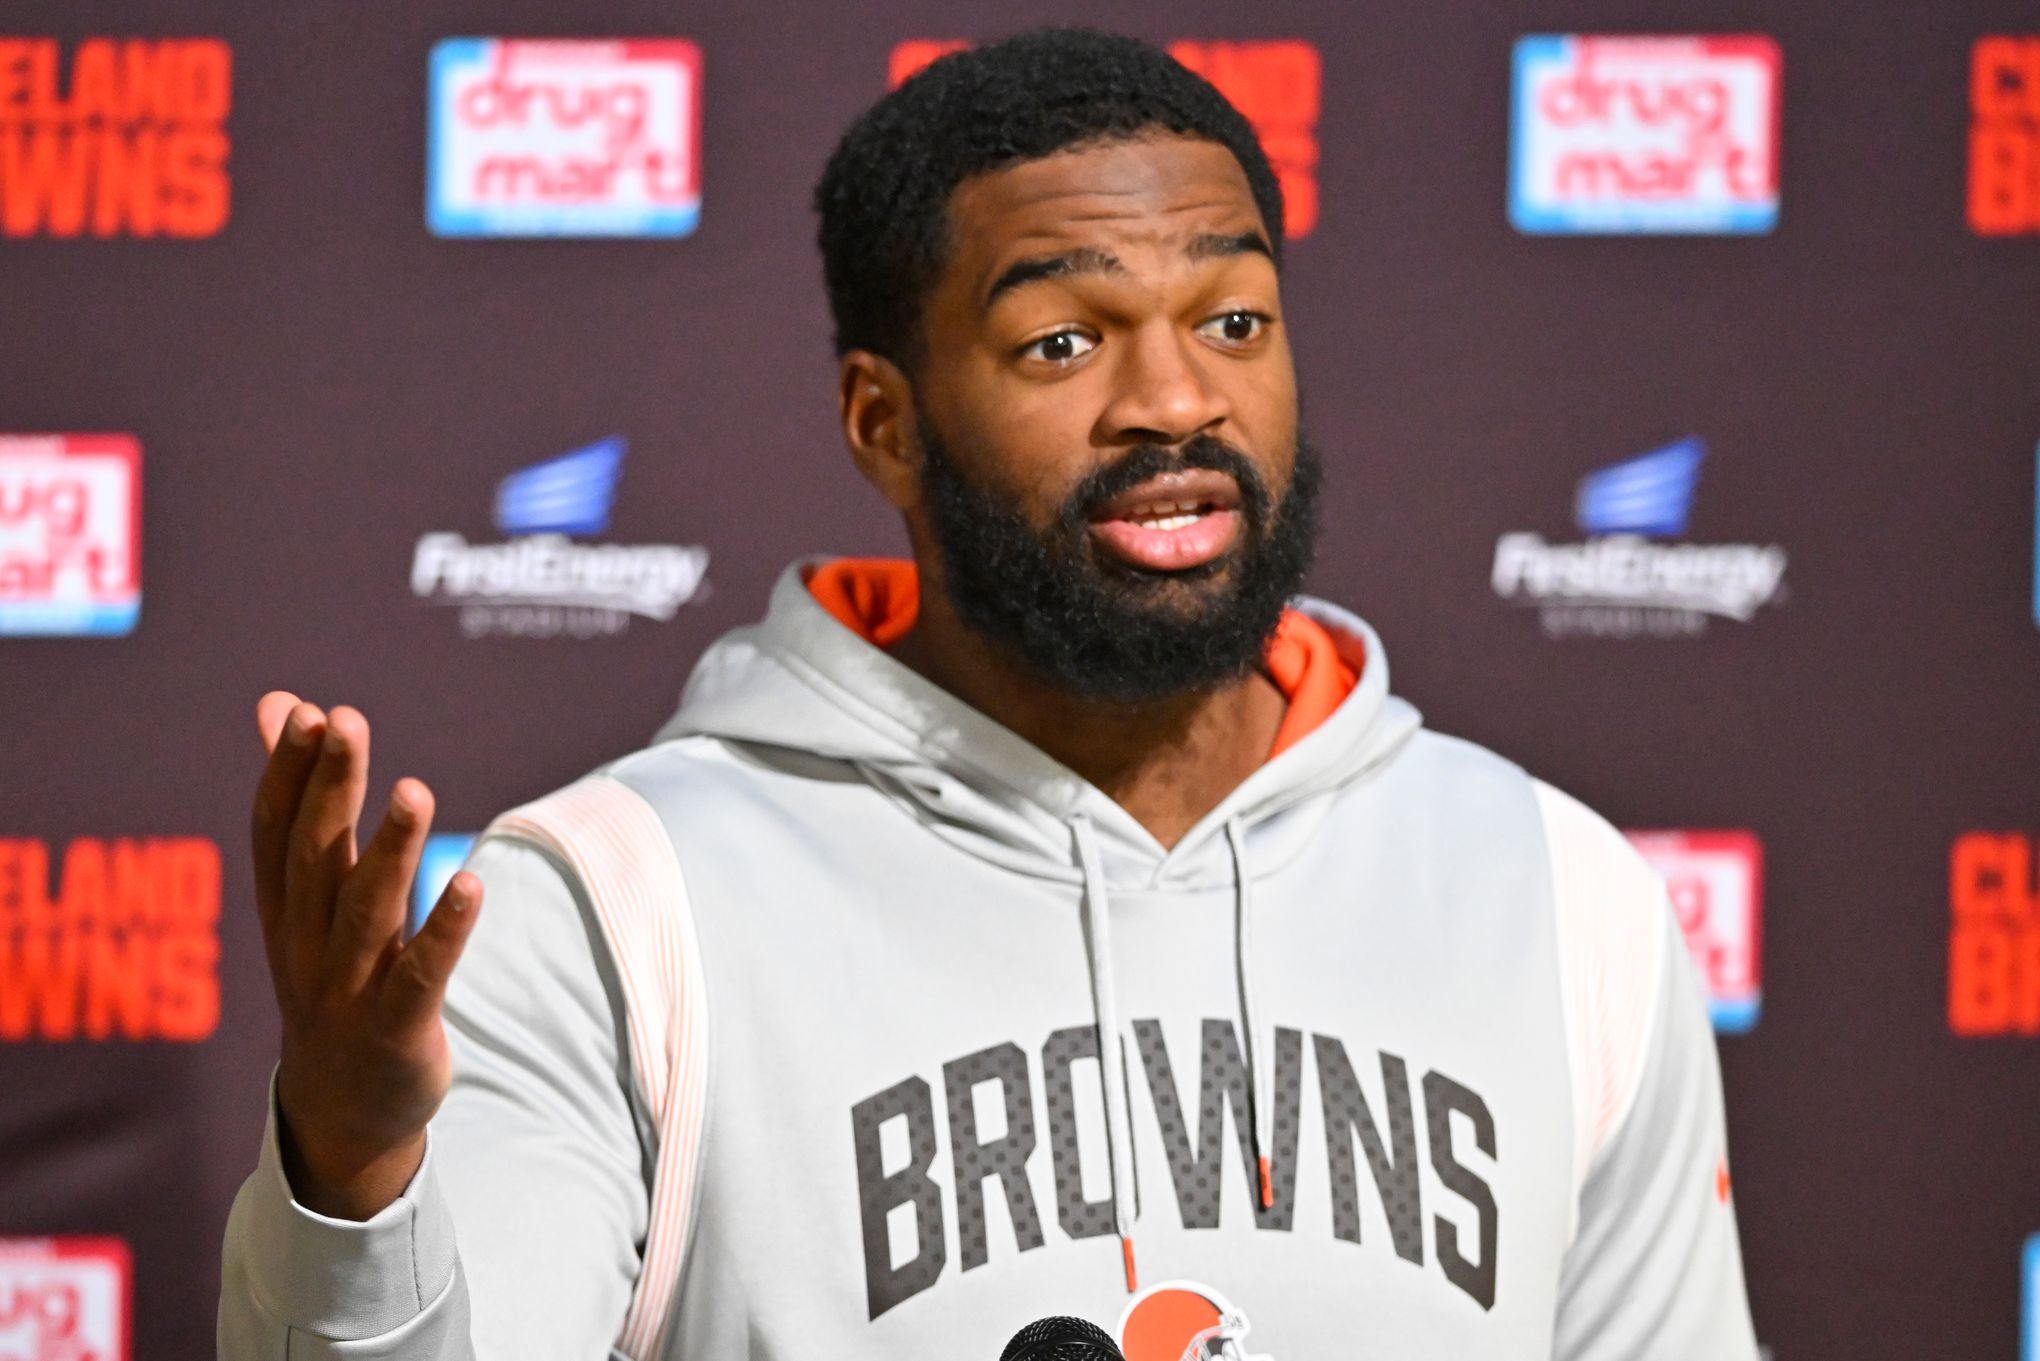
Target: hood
<point>801,680</point>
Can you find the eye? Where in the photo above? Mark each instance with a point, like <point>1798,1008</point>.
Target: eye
<point>1239,327</point>
<point>1060,347</point>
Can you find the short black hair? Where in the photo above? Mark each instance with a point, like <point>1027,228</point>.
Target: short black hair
<point>884,197</point>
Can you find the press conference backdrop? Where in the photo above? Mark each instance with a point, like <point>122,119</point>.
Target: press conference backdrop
<point>1680,410</point>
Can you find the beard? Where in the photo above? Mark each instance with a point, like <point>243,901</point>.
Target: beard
<point>1100,629</point>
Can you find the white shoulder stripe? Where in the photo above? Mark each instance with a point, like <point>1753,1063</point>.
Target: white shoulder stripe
<point>615,845</point>
<point>1610,910</point>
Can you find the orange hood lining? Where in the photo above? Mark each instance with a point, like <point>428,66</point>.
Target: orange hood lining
<point>878,599</point>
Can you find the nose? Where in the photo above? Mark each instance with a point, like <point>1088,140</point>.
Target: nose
<point>1162,391</point>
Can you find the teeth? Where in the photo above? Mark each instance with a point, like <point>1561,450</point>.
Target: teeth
<point>1168,515</point>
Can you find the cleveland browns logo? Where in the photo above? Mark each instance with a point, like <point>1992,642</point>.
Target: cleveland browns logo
<point>1183,1321</point>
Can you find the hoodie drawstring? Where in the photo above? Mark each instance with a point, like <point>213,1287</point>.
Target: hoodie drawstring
<point>1111,1057</point>
<point>1259,1100</point>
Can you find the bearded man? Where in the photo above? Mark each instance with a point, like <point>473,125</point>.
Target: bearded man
<point>1068,907</point>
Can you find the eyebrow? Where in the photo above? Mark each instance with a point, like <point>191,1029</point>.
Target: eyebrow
<point>1083,260</point>
<point>1089,260</point>
<point>1210,246</point>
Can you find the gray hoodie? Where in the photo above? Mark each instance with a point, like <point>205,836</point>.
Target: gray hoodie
<point>782,1038</point>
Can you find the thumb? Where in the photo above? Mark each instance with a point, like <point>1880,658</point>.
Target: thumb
<point>416,982</point>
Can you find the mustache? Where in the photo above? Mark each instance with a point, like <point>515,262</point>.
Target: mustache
<point>1137,465</point>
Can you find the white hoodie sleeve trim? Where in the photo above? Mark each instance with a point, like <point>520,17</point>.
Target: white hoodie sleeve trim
<point>616,847</point>
<point>1610,910</point>
<point>335,1278</point>
<point>1653,1267</point>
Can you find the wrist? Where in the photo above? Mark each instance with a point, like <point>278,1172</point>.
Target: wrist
<point>346,1180</point>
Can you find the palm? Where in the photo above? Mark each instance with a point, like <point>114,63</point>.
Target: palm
<point>365,1061</point>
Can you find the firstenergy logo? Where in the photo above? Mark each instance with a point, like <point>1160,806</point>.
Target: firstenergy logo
<point>1621,581</point>
<point>540,581</point>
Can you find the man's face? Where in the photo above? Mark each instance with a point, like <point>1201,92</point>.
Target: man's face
<point>1106,406</point>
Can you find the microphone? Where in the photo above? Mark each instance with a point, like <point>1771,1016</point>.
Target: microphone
<point>1061,1339</point>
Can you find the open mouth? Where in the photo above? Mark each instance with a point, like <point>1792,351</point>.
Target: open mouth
<point>1170,523</point>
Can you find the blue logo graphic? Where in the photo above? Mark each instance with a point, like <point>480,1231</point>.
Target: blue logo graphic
<point>570,494</point>
<point>2029,1297</point>
<point>1735,1015</point>
<point>1649,494</point>
<point>445,853</point>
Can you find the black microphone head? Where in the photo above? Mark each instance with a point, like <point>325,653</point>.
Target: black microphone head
<point>1061,1339</point>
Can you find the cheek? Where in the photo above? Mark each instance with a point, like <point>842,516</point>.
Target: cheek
<point>1038,481</point>
<point>1269,387</point>
<point>1265,418</point>
<point>1026,444</point>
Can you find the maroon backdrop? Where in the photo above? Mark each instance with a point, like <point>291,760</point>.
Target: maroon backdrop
<point>316,381</point>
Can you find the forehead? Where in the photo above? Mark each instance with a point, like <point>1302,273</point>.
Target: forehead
<point>1158,191</point>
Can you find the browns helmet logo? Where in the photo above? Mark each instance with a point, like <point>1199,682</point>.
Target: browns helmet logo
<point>1183,1321</point>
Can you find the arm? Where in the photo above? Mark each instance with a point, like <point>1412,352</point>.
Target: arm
<point>512,1229</point>
<point>1654,1268</point>
<point>518,1234</point>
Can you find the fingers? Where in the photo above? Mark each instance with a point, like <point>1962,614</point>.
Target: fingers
<point>417,981</point>
<point>368,916</point>
<point>321,848</point>
<point>270,712</point>
<point>294,747</point>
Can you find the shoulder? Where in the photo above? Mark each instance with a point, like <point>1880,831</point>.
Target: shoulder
<point>1459,759</point>
<point>625,799</point>
<point>1602,887</point>
<point>1462,777</point>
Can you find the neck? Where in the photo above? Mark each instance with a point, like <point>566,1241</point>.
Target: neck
<point>1167,762</point>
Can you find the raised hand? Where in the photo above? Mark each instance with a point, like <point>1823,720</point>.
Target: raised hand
<point>365,1061</point>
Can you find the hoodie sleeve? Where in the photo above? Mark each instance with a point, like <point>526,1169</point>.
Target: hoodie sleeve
<point>1654,1267</point>
<point>519,1234</point>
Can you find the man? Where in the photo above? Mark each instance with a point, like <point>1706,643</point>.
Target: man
<point>1007,932</point>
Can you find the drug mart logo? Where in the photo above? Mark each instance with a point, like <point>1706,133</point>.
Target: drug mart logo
<point>1622,581</point>
<point>1716,883</point>
<point>1645,135</point>
<point>65,1299</point>
<point>540,581</point>
<point>564,138</point>
<point>1277,83</point>
<point>70,531</point>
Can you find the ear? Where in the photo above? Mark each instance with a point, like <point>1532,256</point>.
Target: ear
<point>876,401</point>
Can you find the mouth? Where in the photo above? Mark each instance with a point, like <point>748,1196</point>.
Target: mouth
<point>1170,523</point>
